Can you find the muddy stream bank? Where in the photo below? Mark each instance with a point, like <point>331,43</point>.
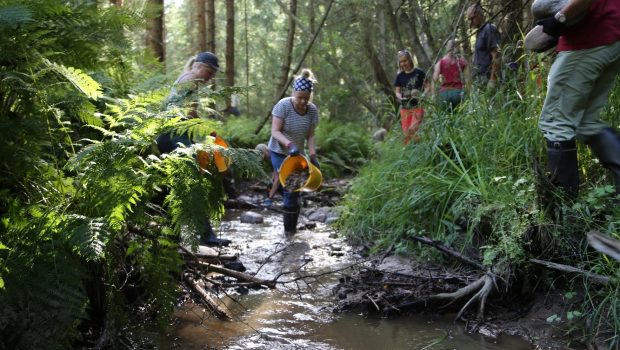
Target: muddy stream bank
<point>300,314</point>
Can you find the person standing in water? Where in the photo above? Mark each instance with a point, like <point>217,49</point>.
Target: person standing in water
<point>294,120</point>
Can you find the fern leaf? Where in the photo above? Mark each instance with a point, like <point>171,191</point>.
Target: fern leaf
<point>79,79</point>
<point>88,237</point>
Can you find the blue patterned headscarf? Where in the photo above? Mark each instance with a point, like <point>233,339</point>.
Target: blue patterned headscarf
<point>302,84</point>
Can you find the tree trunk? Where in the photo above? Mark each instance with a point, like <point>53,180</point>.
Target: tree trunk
<point>393,22</point>
<point>429,42</point>
<point>418,50</point>
<point>312,23</point>
<point>211,25</point>
<point>379,73</point>
<point>230,45</point>
<point>288,50</point>
<point>116,2</point>
<point>155,30</point>
<point>247,56</point>
<point>202,25</point>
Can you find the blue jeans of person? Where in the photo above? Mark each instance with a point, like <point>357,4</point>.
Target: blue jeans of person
<point>168,142</point>
<point>451,98</point>
<point>291,199</point>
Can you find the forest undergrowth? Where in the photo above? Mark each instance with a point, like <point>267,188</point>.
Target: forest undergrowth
<point>475,182</point>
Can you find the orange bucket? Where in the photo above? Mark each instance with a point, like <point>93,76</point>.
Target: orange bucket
<point>300,162</point>
<point>221,162</point>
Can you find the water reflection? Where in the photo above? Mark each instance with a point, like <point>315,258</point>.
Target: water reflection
<point>299,315</point>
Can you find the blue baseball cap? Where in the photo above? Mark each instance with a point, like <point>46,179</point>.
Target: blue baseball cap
<point>209,59</point>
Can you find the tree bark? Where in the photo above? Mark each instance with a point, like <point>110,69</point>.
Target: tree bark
<point>202,24</point>
<point>288,49</point>
<point>230,46</point>
<point>211,25</point>
<point>247,56</point>
<point>208,299</point>
<point>418,50</point>
<point>155,30</point>
<point>425,27</point>
<point>312,24</point>
<point>393,22</point>
<point>380,75</point>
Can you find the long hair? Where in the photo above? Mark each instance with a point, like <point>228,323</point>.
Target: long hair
<point>403,53</point>
<point>188,65</point>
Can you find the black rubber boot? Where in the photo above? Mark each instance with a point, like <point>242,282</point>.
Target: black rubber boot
<point>606,147</point>
<point>207,237</point>
<point>290,220</point>
<point>562,164</point>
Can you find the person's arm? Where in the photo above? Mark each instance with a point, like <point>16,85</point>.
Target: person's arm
<point>435,77</point>
<point>311,147</point>
<point>398,94</point>
<point>466,76</point>
<point>189,79</point>
<point>495,64</point>
<point>574,8</point>
<point>276,131</point>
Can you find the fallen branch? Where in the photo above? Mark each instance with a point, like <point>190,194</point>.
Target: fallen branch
<point>210,301</point>
<point>205,252</point>
<point>448,251</point>
<point>236,274</point>
<point>598,279</point>
<point>238,204</point>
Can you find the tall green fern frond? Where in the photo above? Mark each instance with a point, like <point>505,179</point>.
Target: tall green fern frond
<point>87,236</point>
<point>79,79</point>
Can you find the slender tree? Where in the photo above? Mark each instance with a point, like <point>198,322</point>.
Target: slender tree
<point>425,27</point>
<point>312,23</point>
<point>230,45</point>
<point>373,57</point>
<point>287,56</point>
<point>155,30</point>
<point>211,25</point>
<point>393,23</point>
<point>418,49</point>
<point>202,24</point>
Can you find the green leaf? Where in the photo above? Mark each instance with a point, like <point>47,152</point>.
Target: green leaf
<point>79,79</point>
<point>573,314</point>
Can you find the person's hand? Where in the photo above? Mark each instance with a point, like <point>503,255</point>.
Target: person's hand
<point>292,149</point>
<point>314,161</point>
<point>552,26</point>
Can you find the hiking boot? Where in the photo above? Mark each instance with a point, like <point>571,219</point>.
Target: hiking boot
<point>290,220</point>
<point>606,147</point>
<point>208,237</point>
<point>562,164</point>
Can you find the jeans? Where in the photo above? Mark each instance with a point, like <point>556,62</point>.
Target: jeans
<point>291,199</point>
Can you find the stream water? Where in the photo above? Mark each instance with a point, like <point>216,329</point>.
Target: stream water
<point>300,315</point>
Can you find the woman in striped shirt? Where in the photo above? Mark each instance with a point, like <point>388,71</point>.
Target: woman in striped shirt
<point>293,123</point>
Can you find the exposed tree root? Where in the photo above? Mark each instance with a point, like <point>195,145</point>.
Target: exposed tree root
<point>483,286</point>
